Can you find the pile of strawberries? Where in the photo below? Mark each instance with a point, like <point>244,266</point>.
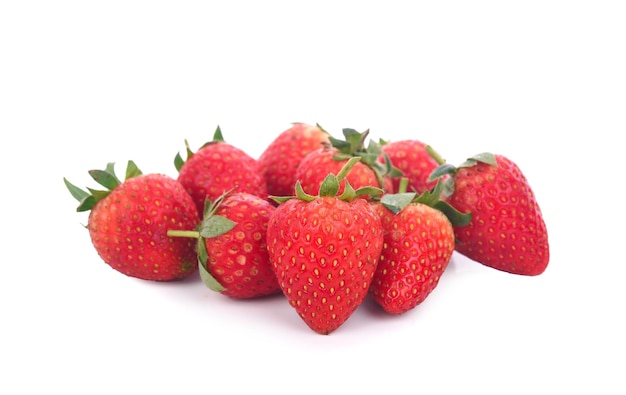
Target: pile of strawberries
<point>323,220</point>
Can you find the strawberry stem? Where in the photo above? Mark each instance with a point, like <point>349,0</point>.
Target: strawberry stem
<point>435,155</point>
<point>183,233</point>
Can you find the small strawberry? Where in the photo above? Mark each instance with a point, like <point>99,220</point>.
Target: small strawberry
<point>232,250</point>
<point>128,223</point>
<point>507,231</point>
<point>418,245</point>
<point>218,167</point>
<point>315,166</point>
<point>279,160</point>
<point>324,250</point>
<point>411,158</point>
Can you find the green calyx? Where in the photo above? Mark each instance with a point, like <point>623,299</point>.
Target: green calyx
<point>107,178</point>
<point>445,169</point>
<point>330,187</point>
<point>398,201</point>
<point>178,159</point>
<point>212,225</point>
<point>353,145</point>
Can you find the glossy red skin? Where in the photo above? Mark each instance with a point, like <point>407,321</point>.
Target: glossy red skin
<point>238,259</point>
<point>318,164</point>
<point>324,254</point>
<point>129,228</point>
<point>507,231</point>
<point>416,164</point>
<point>419,242</point>
<point>219,167</point>
<point>278,162</point>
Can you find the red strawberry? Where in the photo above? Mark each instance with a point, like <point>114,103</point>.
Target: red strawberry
<point>128,223</point>
<point>324,250</point>
<point>315,166</point>
<point>412,159</point>
<point>218,167</point>
<point>279,160</point>
<point>418,245</point>
<point>232,250</point>
<point>507,231</point>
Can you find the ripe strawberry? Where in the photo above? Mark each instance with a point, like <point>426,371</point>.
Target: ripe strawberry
<point>411,158</point>
<point>324,250</point>
<point>279,160</point>
<point>418,245</point>
<point>232,250</point>
<point>128,223</point>
<point>315,166</point>
<point>218,167</point>
<point>507,231</point>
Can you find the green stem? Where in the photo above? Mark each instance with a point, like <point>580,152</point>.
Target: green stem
<point>347,167</point>
<point>183,233</point>
<point>435,155</point>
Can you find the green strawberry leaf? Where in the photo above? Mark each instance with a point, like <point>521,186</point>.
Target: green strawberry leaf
<point>396,202</point>
<point>87,203</point>
<point>343,146</point>
<point>456,217</point>
<point>485,157</point>
<point>98,194</point>
<point>215,225</point>
<point>207,278</point>
<point>106,178</point>
<point>348,194</point>
<point>330,186</point>
<point>78,193</point>
<point>355,139</point>
<point>132,170</point>
<point>369,191</point>
<point>178,159</point>
<point>447,187</point>
<point>390,169</point>
<point>218,136</point>
<point>442,170</point>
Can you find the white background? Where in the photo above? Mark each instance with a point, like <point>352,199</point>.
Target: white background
<point>85,83</point>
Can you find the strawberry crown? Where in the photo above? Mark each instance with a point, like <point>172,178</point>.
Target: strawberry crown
<point>330,187</point>
<point>396,202</point>
<point>107,178</point>
<point>446,169</point>
<point>178,159</point>
<point>353,145</point>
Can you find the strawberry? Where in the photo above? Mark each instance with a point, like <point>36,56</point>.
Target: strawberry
<point>329,159</point>
<point>128,223</point>
<point>218,167</point>
<point>279,160</point>
<point>418,245</point>
<point>324,250</point>
<point>232,250</point>
<point>411,158</point>
<point>507,231</point>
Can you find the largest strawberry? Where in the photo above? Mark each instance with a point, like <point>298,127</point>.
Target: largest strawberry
<point>128,223</point>
<point>324,249</point>
<point>507,230</point>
